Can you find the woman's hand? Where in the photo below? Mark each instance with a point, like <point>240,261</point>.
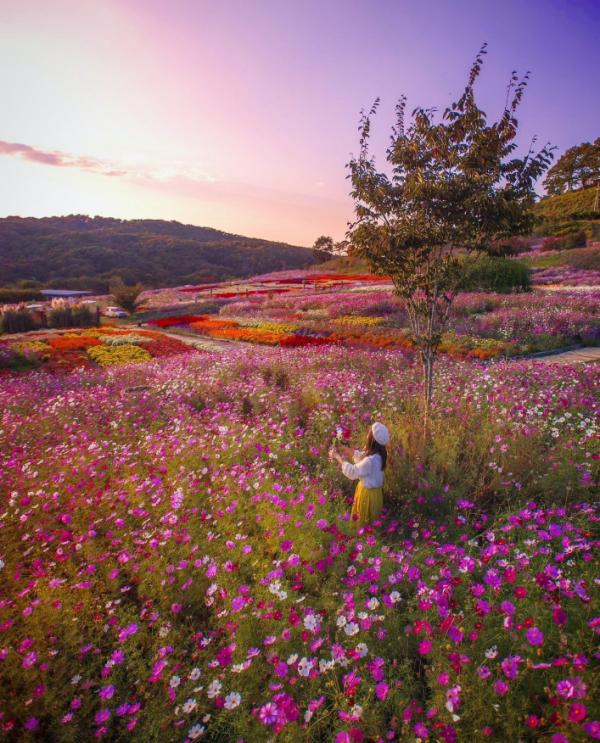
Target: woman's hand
<point>347,451</point>
<point>334,454</point>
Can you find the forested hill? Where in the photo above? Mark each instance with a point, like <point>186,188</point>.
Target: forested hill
<point>81,252</point>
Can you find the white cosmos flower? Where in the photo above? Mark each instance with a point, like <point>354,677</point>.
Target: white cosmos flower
<point>341,620</point>
<point>351,628</point>
<point>304,667</point>
<point>232,700</point>
<point>311,622</point>
<point>356,711</point>
<point>174,682</point>
<point>196,731</point>
<point>189,705</point>
<point>362,649</point>
<point>394,597</point>
<point>194,674</point>
<point>214,689</point>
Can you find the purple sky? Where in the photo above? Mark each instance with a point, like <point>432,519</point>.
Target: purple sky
<point>242,114</point>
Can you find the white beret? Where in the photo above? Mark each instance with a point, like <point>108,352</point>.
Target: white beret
<point>380,433</point>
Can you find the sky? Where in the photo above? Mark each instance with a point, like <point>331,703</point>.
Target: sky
<point>242,114</point>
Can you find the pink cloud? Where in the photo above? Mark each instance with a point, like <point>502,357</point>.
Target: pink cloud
<point>58,159</point>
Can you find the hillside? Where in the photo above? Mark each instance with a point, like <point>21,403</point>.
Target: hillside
<point>81,252</point>
<point>568,212</point>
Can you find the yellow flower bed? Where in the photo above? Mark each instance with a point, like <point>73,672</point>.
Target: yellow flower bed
<point>24,346</point>
<point>270,326</point>
<point>110,355</point>
<point>358,320</point>
<point>90,333</point>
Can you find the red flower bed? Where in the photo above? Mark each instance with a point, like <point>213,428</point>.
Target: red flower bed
<point>169,322</point>
<point>253,293</point>
<point>297,341</point>
<point>164,347</point>
<point>67,361</point>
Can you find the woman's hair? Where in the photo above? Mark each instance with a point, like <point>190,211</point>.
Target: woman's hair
<point>374,447</point>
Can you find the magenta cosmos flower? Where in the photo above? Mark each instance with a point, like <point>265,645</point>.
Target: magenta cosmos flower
<point>534,636</point>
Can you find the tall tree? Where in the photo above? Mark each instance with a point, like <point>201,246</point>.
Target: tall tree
<point>453,187</point>
<point>126,296</point>
<point>324,247</point>
<point>578,167</point>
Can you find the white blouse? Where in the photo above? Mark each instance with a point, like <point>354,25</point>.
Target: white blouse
<point>366,469</point>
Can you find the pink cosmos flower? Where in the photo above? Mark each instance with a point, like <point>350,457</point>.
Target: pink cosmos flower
<point>102,716</point>
<point>501,687</point>
<point>281,669</point>
<point>268,714</point>
<point>593,729</point>
<point>421,730</point>
<point>424,647</point>
<point>534,636</point>
<point>381,691</point>
<point>577,712</point>
<point>571,688</point>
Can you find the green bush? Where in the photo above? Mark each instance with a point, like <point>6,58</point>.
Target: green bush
<point>489,273</point>
<point>17,321</point>
<point>76,316</point>
<point>566,242</point>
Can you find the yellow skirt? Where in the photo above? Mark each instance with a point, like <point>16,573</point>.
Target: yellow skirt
<point>367,504</point>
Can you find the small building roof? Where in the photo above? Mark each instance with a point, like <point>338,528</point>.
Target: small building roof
<point>63,293</point>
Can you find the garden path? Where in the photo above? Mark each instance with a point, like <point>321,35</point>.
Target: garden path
<point>576,356</point>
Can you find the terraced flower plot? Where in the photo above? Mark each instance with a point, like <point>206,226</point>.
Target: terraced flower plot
<point>482,325</point>
<point>84,349</point>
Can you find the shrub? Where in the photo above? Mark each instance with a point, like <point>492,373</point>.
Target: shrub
<point>63,315</point>
<point>565,242</point>
<point>511,246</point>
<point>17,321</point>
<point>495,274</point>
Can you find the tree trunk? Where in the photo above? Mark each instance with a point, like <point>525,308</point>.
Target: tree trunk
<point>428,358</point>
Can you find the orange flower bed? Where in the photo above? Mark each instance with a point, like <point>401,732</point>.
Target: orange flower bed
<point>73,344</point>
<point>248,335</point>
<point>209,324</point>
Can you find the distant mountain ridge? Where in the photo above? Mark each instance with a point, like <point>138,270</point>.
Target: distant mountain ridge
<point>81,252</point>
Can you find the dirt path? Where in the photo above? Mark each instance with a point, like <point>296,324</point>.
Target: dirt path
<point>577,356</point>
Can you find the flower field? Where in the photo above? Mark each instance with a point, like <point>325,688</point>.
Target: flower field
<point>177,561</point>
<point>482,326</point>
<point>86,348</point>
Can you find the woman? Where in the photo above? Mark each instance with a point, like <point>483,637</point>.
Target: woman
<point>368,469</point>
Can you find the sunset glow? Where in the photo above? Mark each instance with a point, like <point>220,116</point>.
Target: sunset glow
<point>241,115</point>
